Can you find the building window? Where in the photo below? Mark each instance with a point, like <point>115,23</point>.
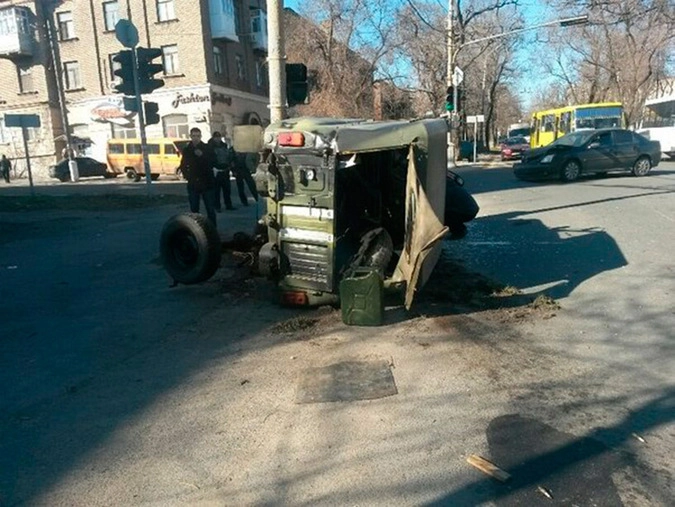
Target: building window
<point>120,132</point>
<point>176,125</point>
<point>111,14</point>
<point>71,75</point>
<point>26,80</point>
<point>170,59</point>
<point>217,61</point>
<point>113,67</point>
<point>239,61</point>
<point>237,17</point>
<point>5,134</point>
<point>64,21</point>
<point>166,10</point>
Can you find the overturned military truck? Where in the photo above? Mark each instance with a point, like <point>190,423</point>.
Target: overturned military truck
<point>345,200</point>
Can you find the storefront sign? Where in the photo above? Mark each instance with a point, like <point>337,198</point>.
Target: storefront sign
<point>111,111</point>
<point>192,98</point>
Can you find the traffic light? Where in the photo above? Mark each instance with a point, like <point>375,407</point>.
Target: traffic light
<point>151,113</point>
<point>147,70</point>
<point>125,71</point>
<point>450,99</point>
<point>297,88</point>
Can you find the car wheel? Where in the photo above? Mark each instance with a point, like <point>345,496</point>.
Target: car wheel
<point>190,248</point>
<point>64,179</point>
<point>642,166</point>
<point>570,171</point>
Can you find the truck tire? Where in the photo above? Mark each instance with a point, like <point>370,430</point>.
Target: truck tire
<point>190,248</point>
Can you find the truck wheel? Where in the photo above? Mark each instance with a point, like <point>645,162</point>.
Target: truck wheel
<point>190,248</point>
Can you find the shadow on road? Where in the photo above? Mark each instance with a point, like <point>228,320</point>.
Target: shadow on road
<point>572,470</point>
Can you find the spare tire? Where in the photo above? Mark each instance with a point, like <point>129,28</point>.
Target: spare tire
<point>190,248</point>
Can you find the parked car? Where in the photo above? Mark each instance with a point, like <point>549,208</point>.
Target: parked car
<point>86,167</point>
<point>513,147</point>
<point>590,151</point>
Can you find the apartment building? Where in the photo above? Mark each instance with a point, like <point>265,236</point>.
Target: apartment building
<point>56,55</point>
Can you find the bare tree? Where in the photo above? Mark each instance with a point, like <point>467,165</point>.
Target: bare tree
<point>619,56</point>
<point>343,43</point>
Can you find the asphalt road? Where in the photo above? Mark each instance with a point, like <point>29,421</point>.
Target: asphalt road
<point>118,390</point>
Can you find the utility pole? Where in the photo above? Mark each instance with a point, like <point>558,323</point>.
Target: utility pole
<point>276,60</point>
<point>58,75</point>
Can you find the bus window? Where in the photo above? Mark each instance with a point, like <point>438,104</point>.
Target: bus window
<point>565,122</point>
<point>549,123</point>
<point>116,149</point>
<point>134,149</point>
<point>169,149</point>
<point>153,149</point>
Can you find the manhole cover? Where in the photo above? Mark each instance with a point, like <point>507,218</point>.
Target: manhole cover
<point>346,381</point>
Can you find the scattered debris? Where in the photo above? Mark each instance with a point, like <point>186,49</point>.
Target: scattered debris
<point>245,381</point>
<point>294,325</point>
<point>545,492</point>
<point>544,302</point>
<point>488,468</point>
<point>638,438</point>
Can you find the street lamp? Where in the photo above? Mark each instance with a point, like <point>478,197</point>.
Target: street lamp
<point>453,52</point>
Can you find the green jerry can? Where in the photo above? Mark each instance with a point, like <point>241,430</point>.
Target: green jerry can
<point>361,298</point>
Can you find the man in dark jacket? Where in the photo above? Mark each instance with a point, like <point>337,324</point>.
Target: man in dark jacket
<point>197,163</point>
<point>224,162</point>
<point>5,167</point>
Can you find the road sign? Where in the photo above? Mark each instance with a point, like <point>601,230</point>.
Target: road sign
<point>457,76</point>
<point>127,33</point>
<point>22,120</point>
<point>479,118</point>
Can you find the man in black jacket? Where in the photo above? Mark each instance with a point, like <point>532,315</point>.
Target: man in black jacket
<point>197,163</point>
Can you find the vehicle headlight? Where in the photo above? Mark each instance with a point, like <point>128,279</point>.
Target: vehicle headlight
<point>547,159</point>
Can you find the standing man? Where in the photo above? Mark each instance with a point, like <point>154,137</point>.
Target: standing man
<point>197,165</point>
<point>224,161</point>
<point>242,173</point>
<point>5,167</point>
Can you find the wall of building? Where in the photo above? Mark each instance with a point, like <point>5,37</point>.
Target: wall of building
<point>195,94</point>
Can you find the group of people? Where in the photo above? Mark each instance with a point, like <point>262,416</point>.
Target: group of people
<point>207,168</point>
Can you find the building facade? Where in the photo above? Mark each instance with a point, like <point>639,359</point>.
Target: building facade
<point>57,56</point>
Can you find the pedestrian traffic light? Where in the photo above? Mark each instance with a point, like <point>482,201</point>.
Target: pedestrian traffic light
<point>125,71</point>
<point>450,99</point>
<point>147,70</point>
<point>461,96</point>
<point>151,113</point>
<point>297,88</point>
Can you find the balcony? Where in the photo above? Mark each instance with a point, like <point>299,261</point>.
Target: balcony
<point>259,30</point>
<point>223,26</point>
<point>16,35</point>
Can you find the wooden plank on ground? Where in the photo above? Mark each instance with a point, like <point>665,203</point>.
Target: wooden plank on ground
<point>488,468</point>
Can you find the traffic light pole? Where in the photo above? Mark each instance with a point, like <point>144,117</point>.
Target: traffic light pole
<point>141,119</point>
<point>450,82</point>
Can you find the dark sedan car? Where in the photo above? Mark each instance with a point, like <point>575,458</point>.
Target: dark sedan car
<point>86,167</point>
<point>590,151</point>
<point>513,147</point>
